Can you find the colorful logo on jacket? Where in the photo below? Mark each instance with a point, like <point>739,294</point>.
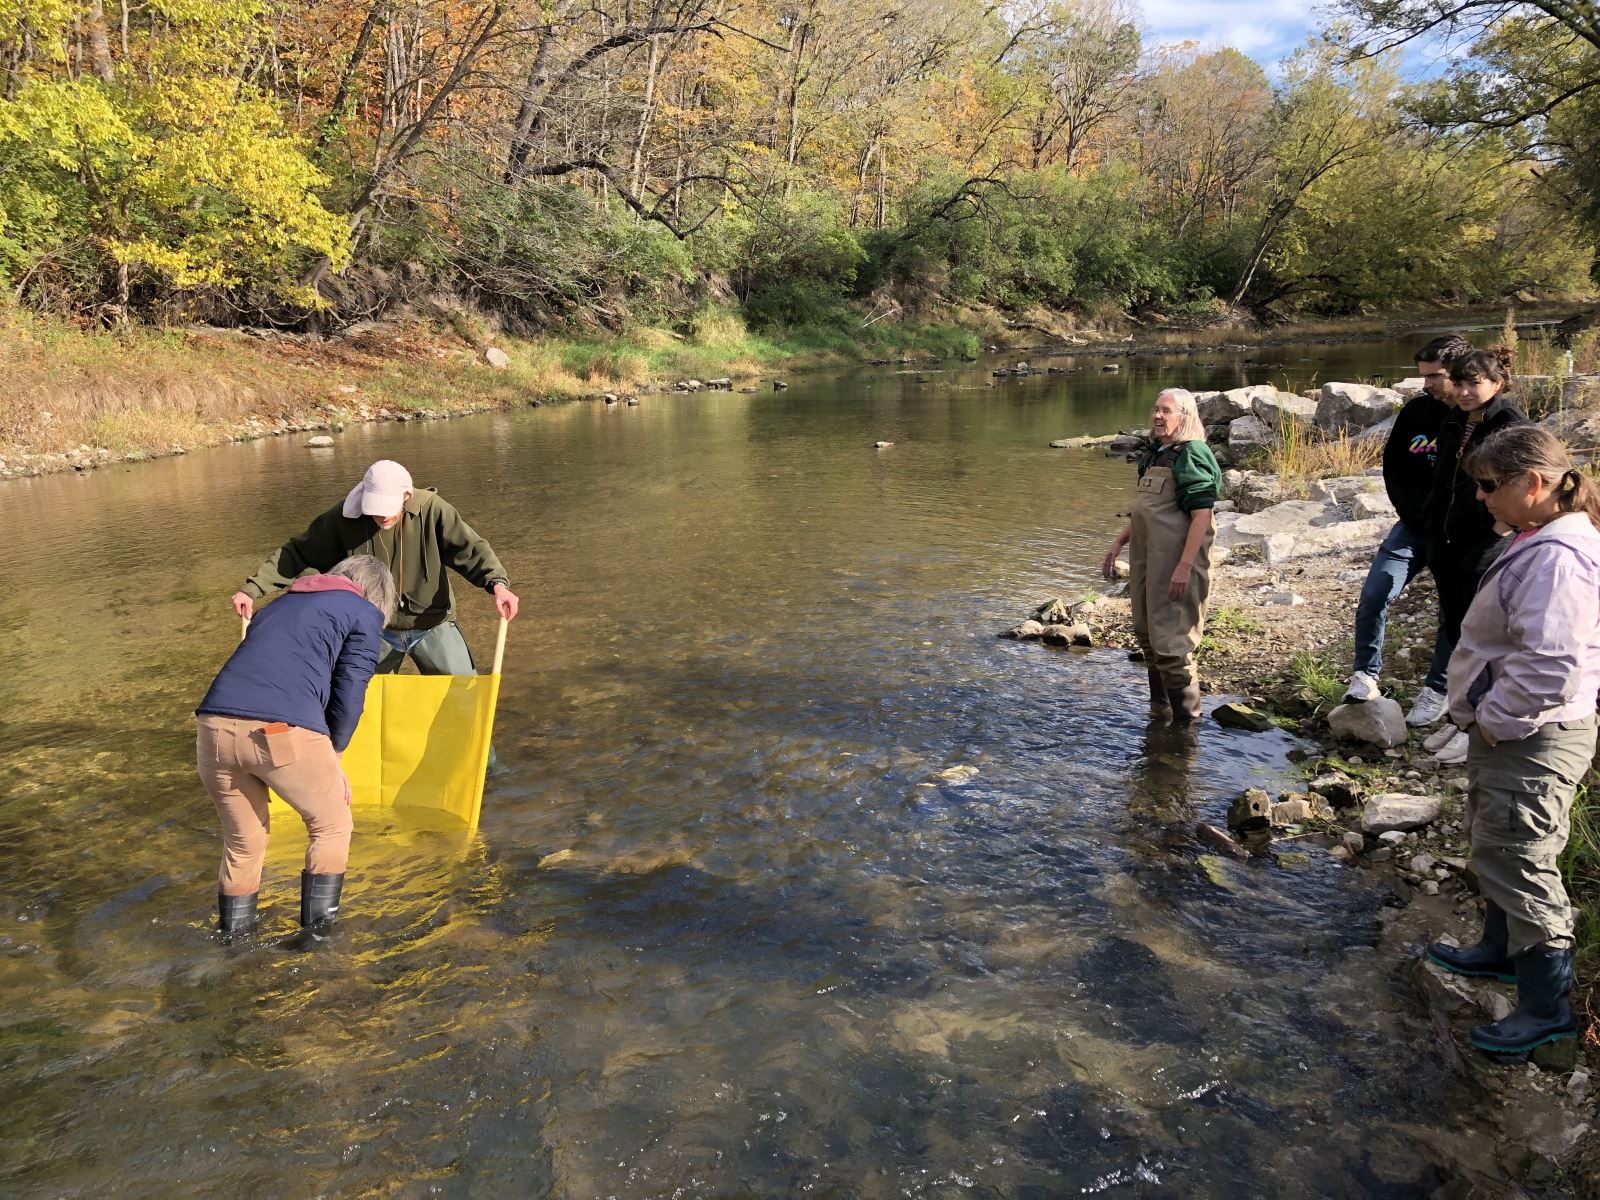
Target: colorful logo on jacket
<point>1423,444</point>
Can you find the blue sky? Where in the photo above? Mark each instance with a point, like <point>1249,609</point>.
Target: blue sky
<point>1266,30</point>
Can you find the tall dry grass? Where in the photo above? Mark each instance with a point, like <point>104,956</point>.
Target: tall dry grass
<point>67,387</point>
<point>1300,457</point>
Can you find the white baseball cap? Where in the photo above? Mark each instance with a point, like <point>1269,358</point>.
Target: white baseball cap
<point>381,492</point>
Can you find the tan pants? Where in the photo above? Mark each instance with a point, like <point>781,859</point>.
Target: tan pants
<point>238,762</point>
<point>1519,812</point>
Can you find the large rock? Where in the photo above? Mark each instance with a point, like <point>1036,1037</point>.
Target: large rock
<point>1251,492</point>
<point>1276,409</point>
<point>497,358</point>
<point>1219,408</point>
<point>1410,386</point>
<point>1397,810</point>
<point>1299,529</point>
<point>1378,433</point>
<point>1577,427</point>
<point>1351,407</point>
<point>1341,489</point>
<point>1377,722</point>
<point>1068,635</point>
<point>1581,391</point>
<point>1370,505</point>
<point>1330,538</point>
<point>1248,433</point>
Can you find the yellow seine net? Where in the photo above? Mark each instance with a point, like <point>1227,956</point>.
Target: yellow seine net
<point>423,742</point>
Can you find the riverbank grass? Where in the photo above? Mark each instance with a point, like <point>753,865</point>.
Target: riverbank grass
<point>141,389</point>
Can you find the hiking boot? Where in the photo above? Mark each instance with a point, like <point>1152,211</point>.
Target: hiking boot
<point>1487,959</point>
<point>1427,708</point>
<point>236,915</point>
<point>1363,687</point>
<point>1544,1006</point>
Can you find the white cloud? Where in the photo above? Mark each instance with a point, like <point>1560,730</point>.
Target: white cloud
<point>1267,30</point>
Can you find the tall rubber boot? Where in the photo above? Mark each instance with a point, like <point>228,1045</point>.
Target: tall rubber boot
<point>1488,958</point>
<point>1160,704</point>
<point>236,915</point>
<point>1544,1006</point>
<point>319,901</point>
<point>1185,703</point>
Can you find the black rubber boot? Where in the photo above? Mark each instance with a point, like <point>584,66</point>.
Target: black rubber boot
<point>236,915</point>
<point>1487,959</point>
<point>319,901</point>
<point>1185,703</point>
<point>1544,1006</point>
<point>1160,704</point>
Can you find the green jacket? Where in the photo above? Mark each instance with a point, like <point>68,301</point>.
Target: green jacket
<point>430,537</point>
<point>1196,477</point>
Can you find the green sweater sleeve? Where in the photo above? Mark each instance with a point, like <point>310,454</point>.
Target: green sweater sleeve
<point>464,549</point>
<point>1196,477</point>
<point>317,549</point>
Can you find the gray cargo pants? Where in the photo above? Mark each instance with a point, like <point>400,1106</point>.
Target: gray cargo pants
<point>1519,809</point>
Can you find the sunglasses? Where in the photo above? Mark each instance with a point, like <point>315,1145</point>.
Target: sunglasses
<point>1487,486</point>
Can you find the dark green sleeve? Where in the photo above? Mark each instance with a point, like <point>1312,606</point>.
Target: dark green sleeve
<point>462,548</point>
<point>1196,477</point>
<point>317,549</point>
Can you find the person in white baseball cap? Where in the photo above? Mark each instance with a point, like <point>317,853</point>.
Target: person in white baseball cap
<point>417,534</point>
<point>382,492</point>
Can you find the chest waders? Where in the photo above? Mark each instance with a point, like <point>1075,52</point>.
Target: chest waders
<point>1168,630</point>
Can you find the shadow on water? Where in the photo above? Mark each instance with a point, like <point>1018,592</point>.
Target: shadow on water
<point>794,880</point>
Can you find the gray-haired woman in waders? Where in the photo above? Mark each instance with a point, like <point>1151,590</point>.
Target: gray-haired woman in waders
<point>1169,558</point>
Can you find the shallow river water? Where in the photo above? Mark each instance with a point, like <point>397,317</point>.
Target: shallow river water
<point>790,952</point>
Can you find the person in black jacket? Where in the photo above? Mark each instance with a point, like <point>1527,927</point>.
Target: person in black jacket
<point>278,715</point>
<point>1462,537</point>
<point>1409,458</point>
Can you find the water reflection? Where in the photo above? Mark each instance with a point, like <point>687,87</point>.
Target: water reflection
<point>796,880</point>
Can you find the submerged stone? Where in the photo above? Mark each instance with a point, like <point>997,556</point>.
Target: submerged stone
<point>1212,836</point>
<point>1028,629</point>
<point>1241,716</point>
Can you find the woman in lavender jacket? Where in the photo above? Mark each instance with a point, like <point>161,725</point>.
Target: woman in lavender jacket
<point>1523,682</point>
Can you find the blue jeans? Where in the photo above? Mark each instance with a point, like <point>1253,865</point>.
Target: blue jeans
<point>437,651</point>
<point>1398,560</point>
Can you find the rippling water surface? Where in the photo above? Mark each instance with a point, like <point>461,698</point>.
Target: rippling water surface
<point>782,949</point>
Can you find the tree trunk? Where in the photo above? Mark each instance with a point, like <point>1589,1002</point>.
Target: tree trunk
<point>646,110</point>
<point>100,42</point>
<point>375,14</point>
